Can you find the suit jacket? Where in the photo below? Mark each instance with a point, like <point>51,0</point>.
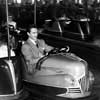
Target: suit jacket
<point>32,53</point>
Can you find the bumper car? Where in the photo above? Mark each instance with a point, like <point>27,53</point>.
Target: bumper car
<point>60,75</point>
<point>11,87</point>
<point>76,29</point>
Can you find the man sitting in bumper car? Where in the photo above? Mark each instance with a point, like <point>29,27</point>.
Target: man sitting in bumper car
<point>33,49</point>
<point>59,69</point>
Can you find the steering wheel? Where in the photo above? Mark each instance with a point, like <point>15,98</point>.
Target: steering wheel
<point>53,51</point>
<point>59,50</point>
<point>64,50</point>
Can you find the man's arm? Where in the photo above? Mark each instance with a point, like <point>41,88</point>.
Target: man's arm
<point>48,47</point>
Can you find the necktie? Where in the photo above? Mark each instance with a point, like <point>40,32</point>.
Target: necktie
<point>37,44</point>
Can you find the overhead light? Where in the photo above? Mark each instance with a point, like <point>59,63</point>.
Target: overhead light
<point>19,1</point>
<point>33,1</point>
<point>98,1</point>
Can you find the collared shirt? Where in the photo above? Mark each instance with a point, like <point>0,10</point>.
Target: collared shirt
<point>32,41</point>
<point>41,49</point>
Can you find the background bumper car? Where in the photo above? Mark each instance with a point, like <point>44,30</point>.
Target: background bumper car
<point>76,29</point>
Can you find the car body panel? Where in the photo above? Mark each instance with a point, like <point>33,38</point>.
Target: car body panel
<point>62,71</point>
<point>11,87</point>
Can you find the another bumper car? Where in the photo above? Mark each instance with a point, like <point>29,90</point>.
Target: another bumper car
<point>76,29</point>
<point>11,87</point>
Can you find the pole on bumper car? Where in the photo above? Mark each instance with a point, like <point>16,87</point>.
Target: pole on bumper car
<point>9,50</point>
<point>17,91</point>
<point>35,4</point>
<point>8,36</point>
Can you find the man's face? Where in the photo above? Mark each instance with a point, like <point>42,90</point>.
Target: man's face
<point>33,33</point>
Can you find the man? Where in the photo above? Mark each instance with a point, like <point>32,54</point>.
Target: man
<point>4,47</point>
<point>33,49</point>
<point>11,22</point>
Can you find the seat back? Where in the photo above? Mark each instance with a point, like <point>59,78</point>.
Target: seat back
<point>24,65</point>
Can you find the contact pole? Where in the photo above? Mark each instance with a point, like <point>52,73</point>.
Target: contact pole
<point>8,42</point>
<point>35,12</point>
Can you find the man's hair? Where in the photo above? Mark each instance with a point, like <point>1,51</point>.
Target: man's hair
<point>30,27</point>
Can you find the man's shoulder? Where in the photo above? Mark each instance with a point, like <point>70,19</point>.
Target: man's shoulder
<point>25,44</point>
<point>28,44</point>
